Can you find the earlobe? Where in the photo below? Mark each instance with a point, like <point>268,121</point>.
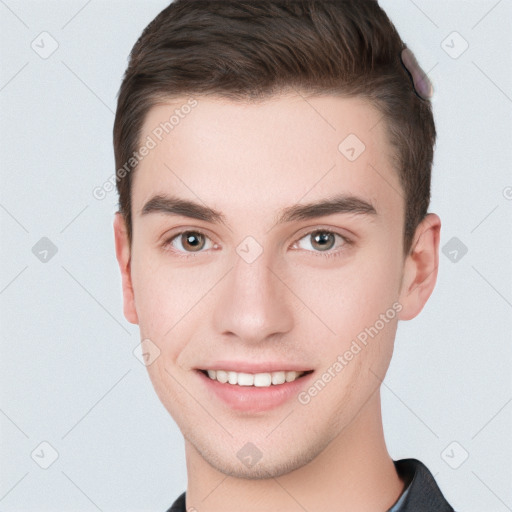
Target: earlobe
<point>420,267</point>
<point>123,255</point>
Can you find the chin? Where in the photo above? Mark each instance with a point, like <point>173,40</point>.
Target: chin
<point>252,463</point>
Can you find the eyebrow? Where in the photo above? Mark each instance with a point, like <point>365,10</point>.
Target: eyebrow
<point>172,205</point>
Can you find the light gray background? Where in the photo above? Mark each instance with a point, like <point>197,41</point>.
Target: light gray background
<point>68,374</point>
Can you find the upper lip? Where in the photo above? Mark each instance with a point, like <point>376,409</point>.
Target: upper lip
<point>252,367</point>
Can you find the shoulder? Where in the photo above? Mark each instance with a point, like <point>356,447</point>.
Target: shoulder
<point>178,505</point>
<point>423,493</point>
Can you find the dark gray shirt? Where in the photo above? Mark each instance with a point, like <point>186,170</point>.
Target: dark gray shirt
<point>422,493</point>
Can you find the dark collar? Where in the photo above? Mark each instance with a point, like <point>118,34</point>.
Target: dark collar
<point>423,493</point>
<point>179,504</point>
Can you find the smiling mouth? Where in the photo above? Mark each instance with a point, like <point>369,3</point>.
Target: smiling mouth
<point>261,380</point>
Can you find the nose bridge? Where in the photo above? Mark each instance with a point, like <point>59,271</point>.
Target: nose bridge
<point>253,304</point>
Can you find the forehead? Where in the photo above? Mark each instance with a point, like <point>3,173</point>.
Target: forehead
<point>238,156</point>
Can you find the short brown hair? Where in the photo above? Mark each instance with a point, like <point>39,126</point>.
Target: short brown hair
<point>253,49</point>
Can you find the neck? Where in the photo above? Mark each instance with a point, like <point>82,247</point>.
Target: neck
<point>354,473</point>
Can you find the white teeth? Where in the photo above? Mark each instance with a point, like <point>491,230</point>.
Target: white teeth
<point>245,379</point>
<point>261,380</point>
<point>278,378</point>
<point>290,376</point>
<point>222,376</point>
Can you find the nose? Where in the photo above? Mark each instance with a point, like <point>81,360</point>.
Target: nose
<point>253,303</point>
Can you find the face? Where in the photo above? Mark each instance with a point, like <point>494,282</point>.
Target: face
<point>250,281</point>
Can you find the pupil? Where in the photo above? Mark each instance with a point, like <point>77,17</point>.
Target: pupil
<point>322,237</point>
<point>193,240</point>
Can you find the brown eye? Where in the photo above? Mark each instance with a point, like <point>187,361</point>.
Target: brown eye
<point>322,242</point>
<point>189,243</point>
<point>192,241</point>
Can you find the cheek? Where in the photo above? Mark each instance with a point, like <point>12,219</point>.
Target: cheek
<point>168,299</point>
<point>343,301</point>
<point>160,299</point>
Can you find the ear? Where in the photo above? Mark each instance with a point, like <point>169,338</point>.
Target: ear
<point>123,255</point>
<point>420,267</point>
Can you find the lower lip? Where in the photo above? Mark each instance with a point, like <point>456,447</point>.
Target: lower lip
<point>253,398</point>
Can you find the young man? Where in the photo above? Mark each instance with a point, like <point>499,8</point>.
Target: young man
<point>274,163</point>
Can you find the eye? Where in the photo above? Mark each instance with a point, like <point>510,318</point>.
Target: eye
<point>188,242</point>
<point>322,241</point>
<point>191,243</point>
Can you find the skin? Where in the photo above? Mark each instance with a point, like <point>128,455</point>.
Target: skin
<point>249,161</point>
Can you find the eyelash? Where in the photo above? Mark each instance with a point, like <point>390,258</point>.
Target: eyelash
<point>327,254</point>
